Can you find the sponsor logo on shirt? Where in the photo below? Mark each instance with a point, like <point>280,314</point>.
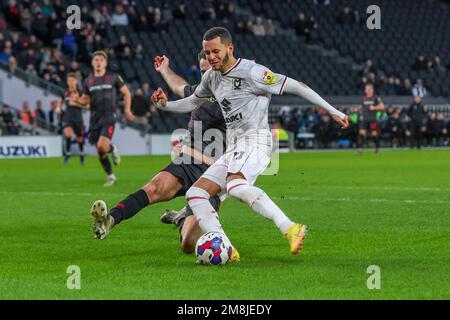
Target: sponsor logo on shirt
<point>233,118</point>
<point>269,77</point>
<point>226,105</point>
<point>100,87</point>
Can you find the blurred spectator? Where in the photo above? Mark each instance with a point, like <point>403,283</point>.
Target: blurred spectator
<point>346,16</point>
<point>143,24</point>
<point>69,44</point>
<point>39,26</point>
<point>12,64</point>
<point>126,54</point>
<point>420,64</point>
<point>26,115</point>
<point>240,28</point>
<point>249,27</point>
<point>258,28</point>
<point>141,108</point>
<point>34,43</point>
<point>146,91</point>
<point>390,88</point>
<point>5,55</point>
<point>323,130</point>
<point>269,27</point>
<point>139,52</point>
<point>8,122</point>
<point>419,89</point>
<point>407,86</point>
<point>119,17</point>
<point>438,134</point>
<point>180,12</point>
<point>123,42</point>
<point>26,19</point>
<point>41,119</point>
<point>418,124</point>
<point>208,13</point>
<point>193,74</point>
<point>437,66</point>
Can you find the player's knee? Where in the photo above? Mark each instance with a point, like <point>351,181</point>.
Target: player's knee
<point>101,149</point>
<point>152,190</point>
<point>195,193</point>
<point>188,245</point>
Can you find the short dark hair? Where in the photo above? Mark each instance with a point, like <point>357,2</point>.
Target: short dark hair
<point>223,33</point>
<point>100,53</point>
<point>72,75</point>
<point>201,55</point>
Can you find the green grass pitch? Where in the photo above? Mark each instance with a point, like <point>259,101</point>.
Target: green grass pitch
<point>390,210</point>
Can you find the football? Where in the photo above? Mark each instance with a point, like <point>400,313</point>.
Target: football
<point>213,248</point>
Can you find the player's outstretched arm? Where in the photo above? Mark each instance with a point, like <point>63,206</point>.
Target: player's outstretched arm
<point>174,81</point>
<point>127,103</point>
<point>300,89</point>
<point>184,105</point>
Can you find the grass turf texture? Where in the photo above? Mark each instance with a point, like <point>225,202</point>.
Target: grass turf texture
<point>390,210</point>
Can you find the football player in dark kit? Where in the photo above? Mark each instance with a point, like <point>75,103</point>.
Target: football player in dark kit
<point>72,119</point>
<point>369,122</point>
<point>100,92</point>
<point>175,179</point>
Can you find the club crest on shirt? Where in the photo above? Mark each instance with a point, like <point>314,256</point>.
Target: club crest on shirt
<point>269,77</point>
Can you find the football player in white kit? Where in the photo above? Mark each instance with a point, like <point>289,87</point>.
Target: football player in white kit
<point>243,89</point>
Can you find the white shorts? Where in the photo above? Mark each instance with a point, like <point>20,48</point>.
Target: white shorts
<point>250,160</point>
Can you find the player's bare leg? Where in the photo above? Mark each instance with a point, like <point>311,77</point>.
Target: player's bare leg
<point>189,234</point>
<point>68,133</point>
<point>104,147</point>
<point>239,188</point>
<point>361,138</point>
<point>198,199</point>
<point>164,186</point>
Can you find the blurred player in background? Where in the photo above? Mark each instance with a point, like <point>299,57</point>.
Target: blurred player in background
<point>175,179</point>
<point>72,118</point>
<point>369,123</point>
<point>418,125</point>
<point>243,90</point>
<point>100,92</point>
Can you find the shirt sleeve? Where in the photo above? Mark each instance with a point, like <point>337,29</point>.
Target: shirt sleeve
<point>203,89</point>
<point>119,82</point>
<point>265,80</point>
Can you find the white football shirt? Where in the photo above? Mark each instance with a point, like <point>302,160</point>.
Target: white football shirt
<point>243,93</point>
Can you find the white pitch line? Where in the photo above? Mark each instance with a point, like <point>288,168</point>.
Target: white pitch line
<point>365,200</point>
<point>375,200</point>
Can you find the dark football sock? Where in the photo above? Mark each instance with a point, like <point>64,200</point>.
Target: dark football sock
<point>128,207</point>
<point>68,145</point>
<point>377,142</point>
<point>106,164</point>
<point>81,147</point>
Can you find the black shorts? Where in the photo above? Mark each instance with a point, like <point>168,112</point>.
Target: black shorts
<point>106,131</point>
<point>187,173</point>
<point>77,127</point>
<point>370,126</point>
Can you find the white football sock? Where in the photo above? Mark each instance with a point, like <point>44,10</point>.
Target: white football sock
<point>207,217</point>
<point>258,200</point>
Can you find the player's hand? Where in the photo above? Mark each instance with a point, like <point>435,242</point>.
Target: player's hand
<point>342,122</point>
<point>74,96</point>
<point>372,108</point>
<point>159,98</point>
<point>161,63</point>
<point>129,116</point>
